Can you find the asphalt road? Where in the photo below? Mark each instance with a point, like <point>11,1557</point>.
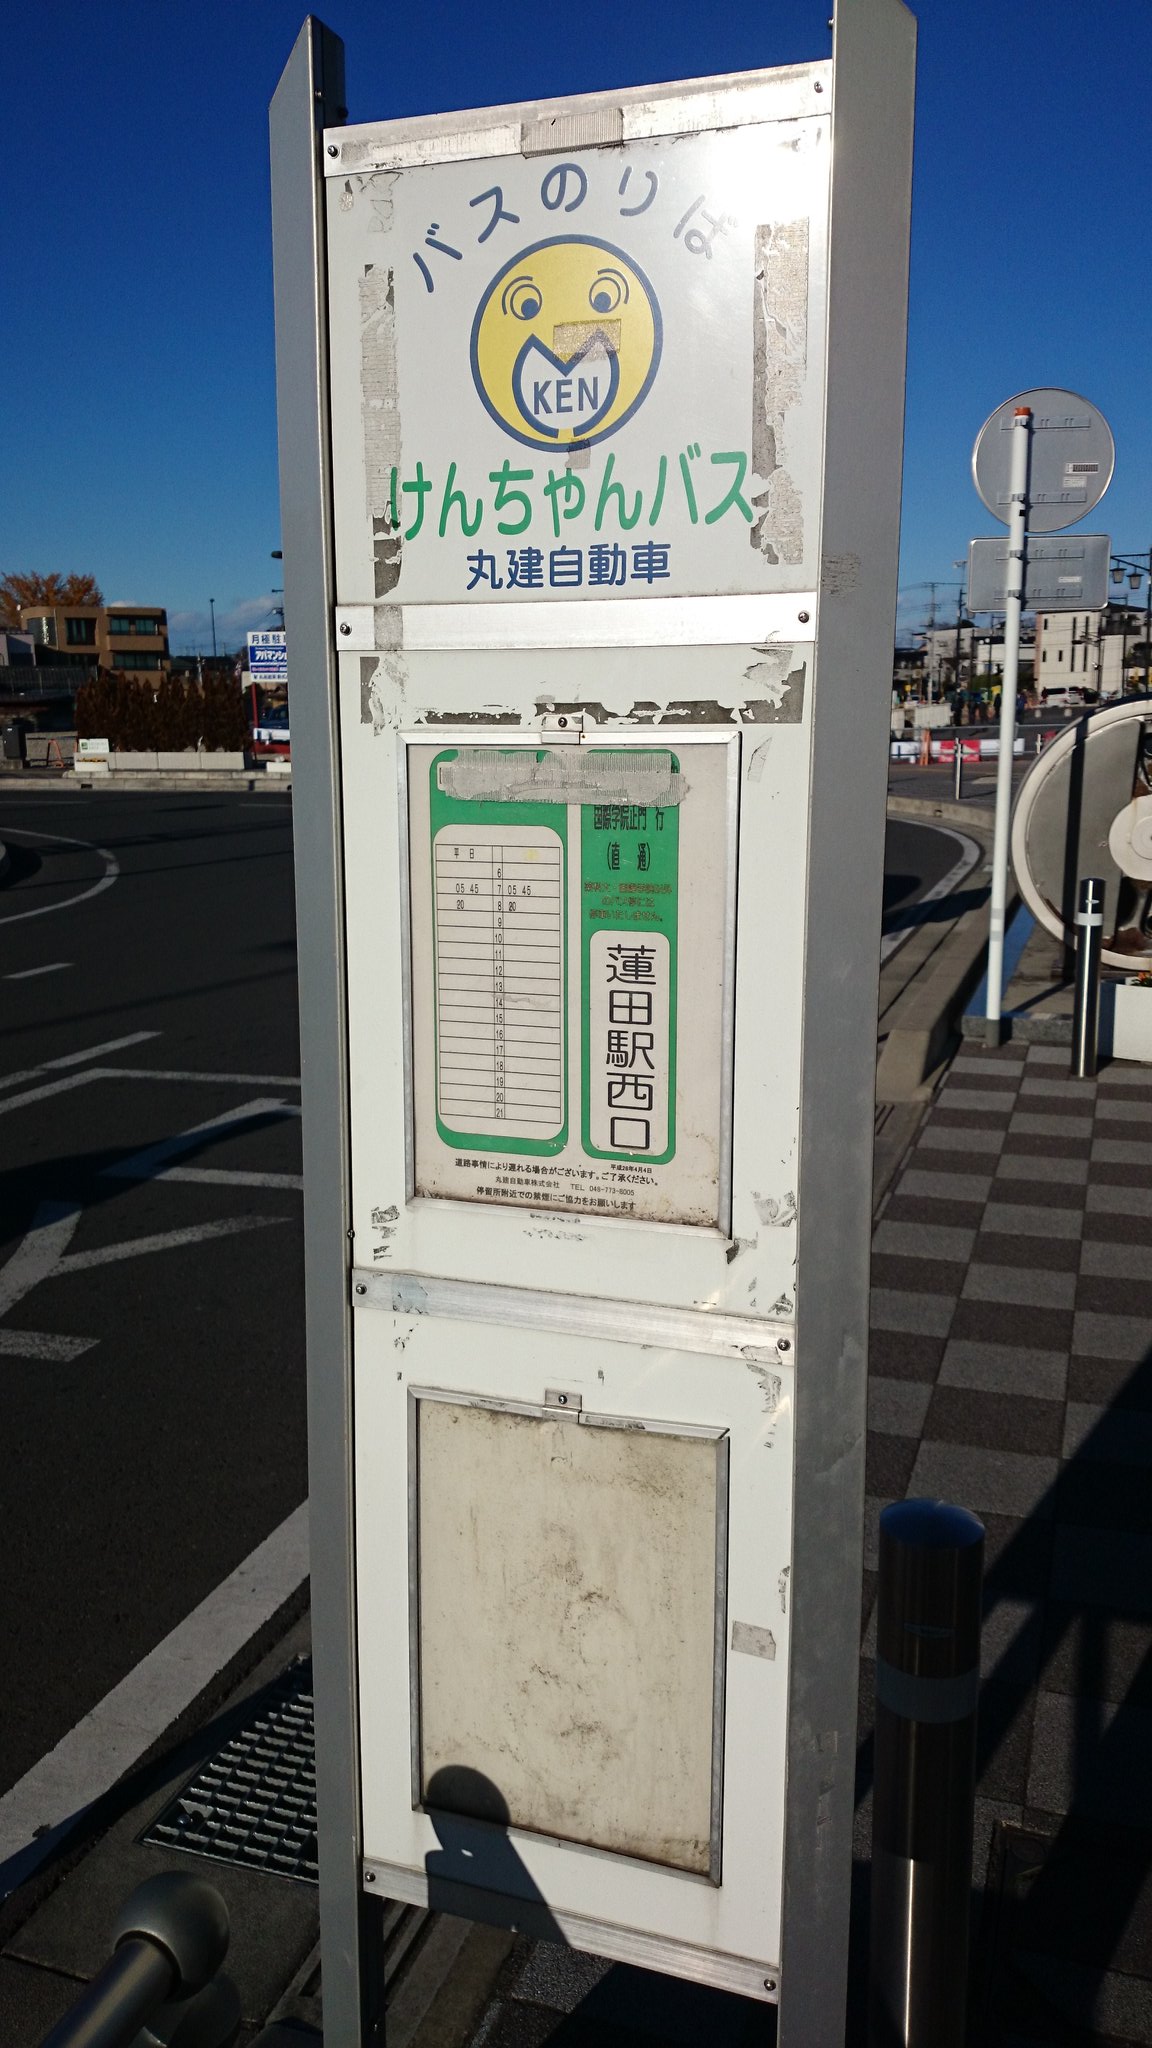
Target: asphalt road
<point>152,1428</point>
<point>916,858</point>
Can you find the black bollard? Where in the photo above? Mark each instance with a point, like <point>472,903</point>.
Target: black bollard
<point>1089,944</point>
<point>927,1681</point>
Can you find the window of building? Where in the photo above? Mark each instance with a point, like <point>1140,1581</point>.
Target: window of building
<point>1044,655</point>
<point>126,657</point>
<point>1059,654</point>
<point>43,630</point>
<point>80,632</point>
<point>119,625</point>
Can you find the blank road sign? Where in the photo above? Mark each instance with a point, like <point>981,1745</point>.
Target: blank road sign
<point>1072,458</point>
<point>1059,575</point>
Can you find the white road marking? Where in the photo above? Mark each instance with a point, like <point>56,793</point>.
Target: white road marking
<point>149,1164</point>
<point>38,1344</point>
<point>76,1059</point>
<point>205,1079</point>
<point>162,1241</point>
<point>225,1177</point>
<point>111,872</point>
<point>40,1094</point>
<point>52,1231</point>
<point>112,1738</point>
<point>30,973</point>
<point>970,855</point>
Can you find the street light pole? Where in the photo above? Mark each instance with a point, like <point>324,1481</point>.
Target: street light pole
<point>212,610</point>
<point>1138,567</point>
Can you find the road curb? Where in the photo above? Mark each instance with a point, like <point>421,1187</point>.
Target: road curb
<point>928,1014</point>
<point>240,781</point>
<point>948,813</point>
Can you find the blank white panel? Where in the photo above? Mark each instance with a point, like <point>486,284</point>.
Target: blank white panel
<point>566,1627</point>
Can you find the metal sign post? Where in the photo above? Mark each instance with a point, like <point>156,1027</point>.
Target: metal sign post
<point>1041,462</point>
<point>590,427</point>
<point>1014,596</point>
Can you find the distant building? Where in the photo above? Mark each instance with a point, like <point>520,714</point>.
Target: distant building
<point>981,656</point>
<point>17,650</point>
<point>1091,650</point>
<point>131,639</point>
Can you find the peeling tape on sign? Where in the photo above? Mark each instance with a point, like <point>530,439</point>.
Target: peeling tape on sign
<point>603,775</point>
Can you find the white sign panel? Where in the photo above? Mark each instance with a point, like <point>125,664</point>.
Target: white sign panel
<point>562,1058</point>
<point>585,377</point>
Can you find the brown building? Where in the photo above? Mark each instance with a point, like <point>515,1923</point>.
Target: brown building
<point>130,638</point>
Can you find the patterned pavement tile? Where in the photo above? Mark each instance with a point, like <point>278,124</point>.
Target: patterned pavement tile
<point>948,1187</point>
<point>897,1407</point>
<point>1118,1261</point>
<point>1030,1166</point>
<point>1111,1381</point>
<point>1038,1190</point>
<point>1039,1254</point>
<point>925,1315</point>
<point>1036,1219</point>
<point>923,1240</point>
<point>904,1355</point>
<point>1014,1369</point>
<point>1109,1336</point>
<point>1094,1431</point>
<point>1079,1092</point>
<point>1105,1200</point>
<point>1000,1482</point>
<point>921,1275</point>
<point>968,1063</point>
<point>1037,1124</point>
<point>1113,1295</point>
<point>1117,1109</point>
<point>940,1138</point>
<point>1122,1151</point>
<point>888,1465</point>
<point>1008,1322</point>
<point>960,1415</point>
<point>1019,1284</point>
<point>967,1101</point>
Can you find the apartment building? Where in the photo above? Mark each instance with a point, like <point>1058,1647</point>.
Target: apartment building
<point>130,638</point>
<point>1092,650</point>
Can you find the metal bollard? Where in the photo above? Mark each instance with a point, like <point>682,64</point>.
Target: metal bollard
<point>169,1940</point>
<point>958,771</point>
<point>927,1681</point>
<point>1089,944</point>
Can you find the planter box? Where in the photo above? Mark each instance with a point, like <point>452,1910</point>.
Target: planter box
<point>190,761</point>
<point>1126,1021</point>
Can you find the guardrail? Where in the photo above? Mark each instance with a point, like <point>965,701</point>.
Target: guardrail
<point>168,1943</point>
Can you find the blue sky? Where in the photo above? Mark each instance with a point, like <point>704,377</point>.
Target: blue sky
<point>136,352</point>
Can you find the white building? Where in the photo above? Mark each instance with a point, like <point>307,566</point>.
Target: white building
<point>1091,650</point>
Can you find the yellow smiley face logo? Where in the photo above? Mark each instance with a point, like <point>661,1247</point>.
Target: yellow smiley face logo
<point>566,342</point>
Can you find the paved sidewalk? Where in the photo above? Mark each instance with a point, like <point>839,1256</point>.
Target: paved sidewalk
<point>1012,1373</point>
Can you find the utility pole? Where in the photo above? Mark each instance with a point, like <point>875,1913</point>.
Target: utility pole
<point>212,609</point>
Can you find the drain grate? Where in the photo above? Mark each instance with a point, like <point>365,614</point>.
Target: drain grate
<point>254,1802</point>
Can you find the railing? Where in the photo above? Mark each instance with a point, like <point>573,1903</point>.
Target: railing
<point>167,1944</point>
